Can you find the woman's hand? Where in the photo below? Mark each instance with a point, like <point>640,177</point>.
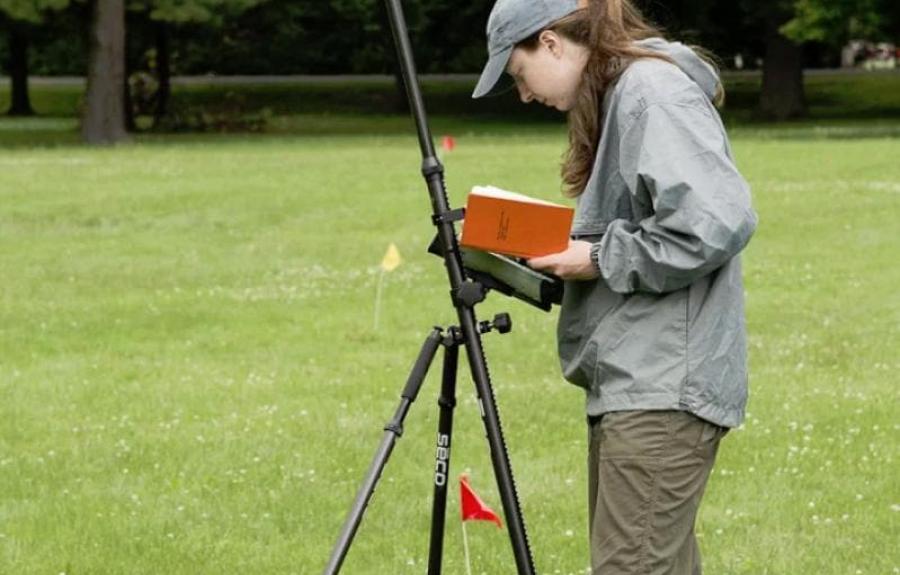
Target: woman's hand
<point>572,264</point>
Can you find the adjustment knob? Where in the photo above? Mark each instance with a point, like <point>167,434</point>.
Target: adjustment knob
<point>502,322</point>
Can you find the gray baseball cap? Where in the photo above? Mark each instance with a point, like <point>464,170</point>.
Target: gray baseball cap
<point>510,22</point>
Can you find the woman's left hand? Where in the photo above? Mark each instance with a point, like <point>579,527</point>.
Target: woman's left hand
<point>572,264</point>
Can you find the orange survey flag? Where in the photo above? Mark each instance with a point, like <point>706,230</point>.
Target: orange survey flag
<point>473,508</point>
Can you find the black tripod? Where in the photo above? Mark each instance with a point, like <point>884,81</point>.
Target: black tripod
<point>465,294</point>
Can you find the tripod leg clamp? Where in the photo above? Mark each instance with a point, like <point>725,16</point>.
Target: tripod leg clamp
<point>445,402</point>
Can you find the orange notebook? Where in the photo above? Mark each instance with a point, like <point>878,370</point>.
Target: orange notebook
<point>514,224</point>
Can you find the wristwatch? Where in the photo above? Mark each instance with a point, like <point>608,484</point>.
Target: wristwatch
<point>595,256</point>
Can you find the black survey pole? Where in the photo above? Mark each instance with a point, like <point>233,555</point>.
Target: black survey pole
<point>465,294</point>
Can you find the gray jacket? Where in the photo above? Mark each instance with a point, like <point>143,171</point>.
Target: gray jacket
<point>663,328</point>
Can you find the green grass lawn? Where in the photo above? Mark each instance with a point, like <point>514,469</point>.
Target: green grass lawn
<point>191,381</point>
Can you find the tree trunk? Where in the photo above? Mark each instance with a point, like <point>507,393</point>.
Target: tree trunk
<point>20,104</point>
<point>163,71</point>
<point>782,94</point>
<point>127,97</point>
<point>104,116</point>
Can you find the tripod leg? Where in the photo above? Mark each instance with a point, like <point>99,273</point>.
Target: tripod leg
<point>447,402</point>
<point>392,431</point>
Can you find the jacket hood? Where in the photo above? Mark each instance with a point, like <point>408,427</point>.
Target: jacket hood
<point>697,69</point>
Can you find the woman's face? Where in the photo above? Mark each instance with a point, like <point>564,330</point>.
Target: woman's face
<point>551,73</point>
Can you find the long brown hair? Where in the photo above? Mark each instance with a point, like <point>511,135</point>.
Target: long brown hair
<point>608,28</point>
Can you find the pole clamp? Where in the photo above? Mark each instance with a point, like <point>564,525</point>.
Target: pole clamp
<point>431,166</point>
<point>449,216</point>
<point>468,294</point>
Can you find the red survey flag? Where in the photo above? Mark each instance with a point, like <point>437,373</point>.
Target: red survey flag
<point>448,143</point>
<point>473,508</point>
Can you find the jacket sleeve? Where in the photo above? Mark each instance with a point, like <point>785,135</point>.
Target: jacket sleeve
<point>676,157</point>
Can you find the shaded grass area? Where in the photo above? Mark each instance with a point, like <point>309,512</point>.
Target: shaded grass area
<point>63,132</point>
<point>828,96</point>
<point>831,97</point>
<point>192,382</point>
<point>841,107</point>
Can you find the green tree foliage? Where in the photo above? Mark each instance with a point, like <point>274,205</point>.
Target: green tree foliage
<point>160,18</point>
<point>333,37</point>
<point>32,11</point>
<point>277,37</point>
<point>209,12</point>
<point>836,21</point>
<point>352,36</point>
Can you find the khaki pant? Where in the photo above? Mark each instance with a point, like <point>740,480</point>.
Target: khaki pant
<point>647,472</point>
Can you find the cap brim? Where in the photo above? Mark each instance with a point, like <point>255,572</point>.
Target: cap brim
<point>494,79</point>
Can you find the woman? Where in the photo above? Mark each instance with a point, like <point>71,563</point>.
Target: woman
<point>652,321</point>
